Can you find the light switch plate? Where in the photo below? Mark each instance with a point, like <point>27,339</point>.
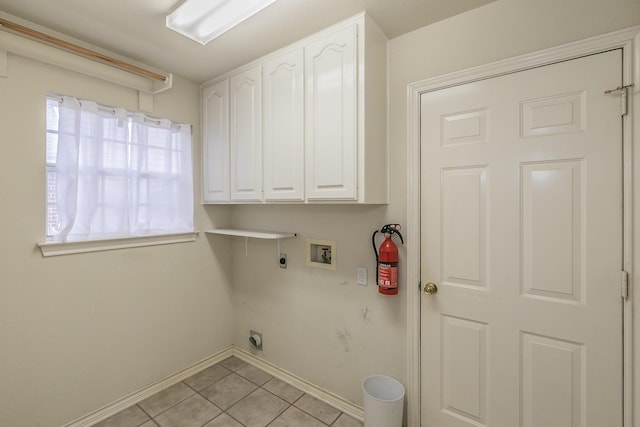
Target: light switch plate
<point>362,276</point>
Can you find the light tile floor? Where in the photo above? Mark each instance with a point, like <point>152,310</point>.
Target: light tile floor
<point>231,393</point>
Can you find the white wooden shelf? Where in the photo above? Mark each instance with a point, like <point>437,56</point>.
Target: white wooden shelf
<point>252,233</point>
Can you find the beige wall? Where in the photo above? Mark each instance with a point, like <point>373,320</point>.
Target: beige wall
<point>78,332</point>
<point>497,31</point>
<point>311,318</point>
<point>304,313</point>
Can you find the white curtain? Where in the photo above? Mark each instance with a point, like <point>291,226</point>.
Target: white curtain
<point>119,177</point>
<point>161,190</point>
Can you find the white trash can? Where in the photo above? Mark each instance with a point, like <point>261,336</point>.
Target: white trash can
<point>383,401</point>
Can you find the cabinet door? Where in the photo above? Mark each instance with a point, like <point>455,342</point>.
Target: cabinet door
<point>215,143</point>
<point>284,127</point>
<point>331,131</point>
<point>246,135</point>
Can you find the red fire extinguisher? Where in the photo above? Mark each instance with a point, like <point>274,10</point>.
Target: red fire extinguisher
<point>387,259</point>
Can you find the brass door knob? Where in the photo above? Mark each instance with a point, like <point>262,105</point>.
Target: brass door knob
<point>430,288</point>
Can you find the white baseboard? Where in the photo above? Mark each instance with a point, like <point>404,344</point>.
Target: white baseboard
<point>119,405</point>
<point>138,396</point>
<point>329,398</point>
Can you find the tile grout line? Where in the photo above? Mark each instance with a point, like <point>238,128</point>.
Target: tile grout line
<point>261,387</point>
<point>230,371</point>
<point>153,418</point>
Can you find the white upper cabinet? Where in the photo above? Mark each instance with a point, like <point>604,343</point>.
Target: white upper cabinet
<point>331,137</point>
<point>215,143</point>
<point>307,124</point>
<point>283,126</point>
<point>346,114</point>
<point>245,135</point>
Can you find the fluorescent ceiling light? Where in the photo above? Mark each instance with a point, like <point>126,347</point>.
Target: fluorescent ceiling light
<point>204,20</point>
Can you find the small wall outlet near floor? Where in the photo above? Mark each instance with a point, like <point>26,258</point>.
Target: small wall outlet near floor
<point>255,339</point>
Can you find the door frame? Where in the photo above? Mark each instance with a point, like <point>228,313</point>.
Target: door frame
<point>629,41</point>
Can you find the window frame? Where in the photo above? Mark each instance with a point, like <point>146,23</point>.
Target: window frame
<point>67,248</point>
<point>53,247</point>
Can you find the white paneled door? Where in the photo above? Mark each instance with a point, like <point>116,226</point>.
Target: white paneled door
<point>521,203</point>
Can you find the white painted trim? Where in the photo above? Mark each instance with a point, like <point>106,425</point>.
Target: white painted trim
<point>413,259</point>
<point>632,233</point>
<point>630,72</point>
<point>328,397</point>
<point>590,46</point>
<point>311,389</point>
<point>148,391</point>
<point>67,248</point>
<point>629,41</point>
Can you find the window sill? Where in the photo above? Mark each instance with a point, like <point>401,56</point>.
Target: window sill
<point>67,248</point>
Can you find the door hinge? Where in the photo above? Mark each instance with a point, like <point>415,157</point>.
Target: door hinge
<point>624,285</point>
<point>624,97</point>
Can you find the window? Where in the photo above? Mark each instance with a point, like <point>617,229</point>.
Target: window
<point>112,173</point>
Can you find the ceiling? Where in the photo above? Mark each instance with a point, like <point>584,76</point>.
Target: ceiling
<point>136,28</point>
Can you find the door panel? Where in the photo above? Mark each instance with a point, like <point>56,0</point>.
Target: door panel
<point>464,222</point>
<point>284,127</point>
<point>522,232</point>
<point>464,368</point>
<point>215,145</point>
<point>246,135</point>
<point>549,361</point>
<point>553,214</point>
<point>331,116</point>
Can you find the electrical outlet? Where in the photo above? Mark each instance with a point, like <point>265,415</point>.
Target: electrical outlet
<point>362,276</point>
<point>283,260</point>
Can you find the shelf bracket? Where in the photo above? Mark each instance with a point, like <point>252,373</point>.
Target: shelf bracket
<point>278,250</point>
<point>246,246</point>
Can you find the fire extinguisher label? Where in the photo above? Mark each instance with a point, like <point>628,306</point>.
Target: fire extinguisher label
<point>388,275</point>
